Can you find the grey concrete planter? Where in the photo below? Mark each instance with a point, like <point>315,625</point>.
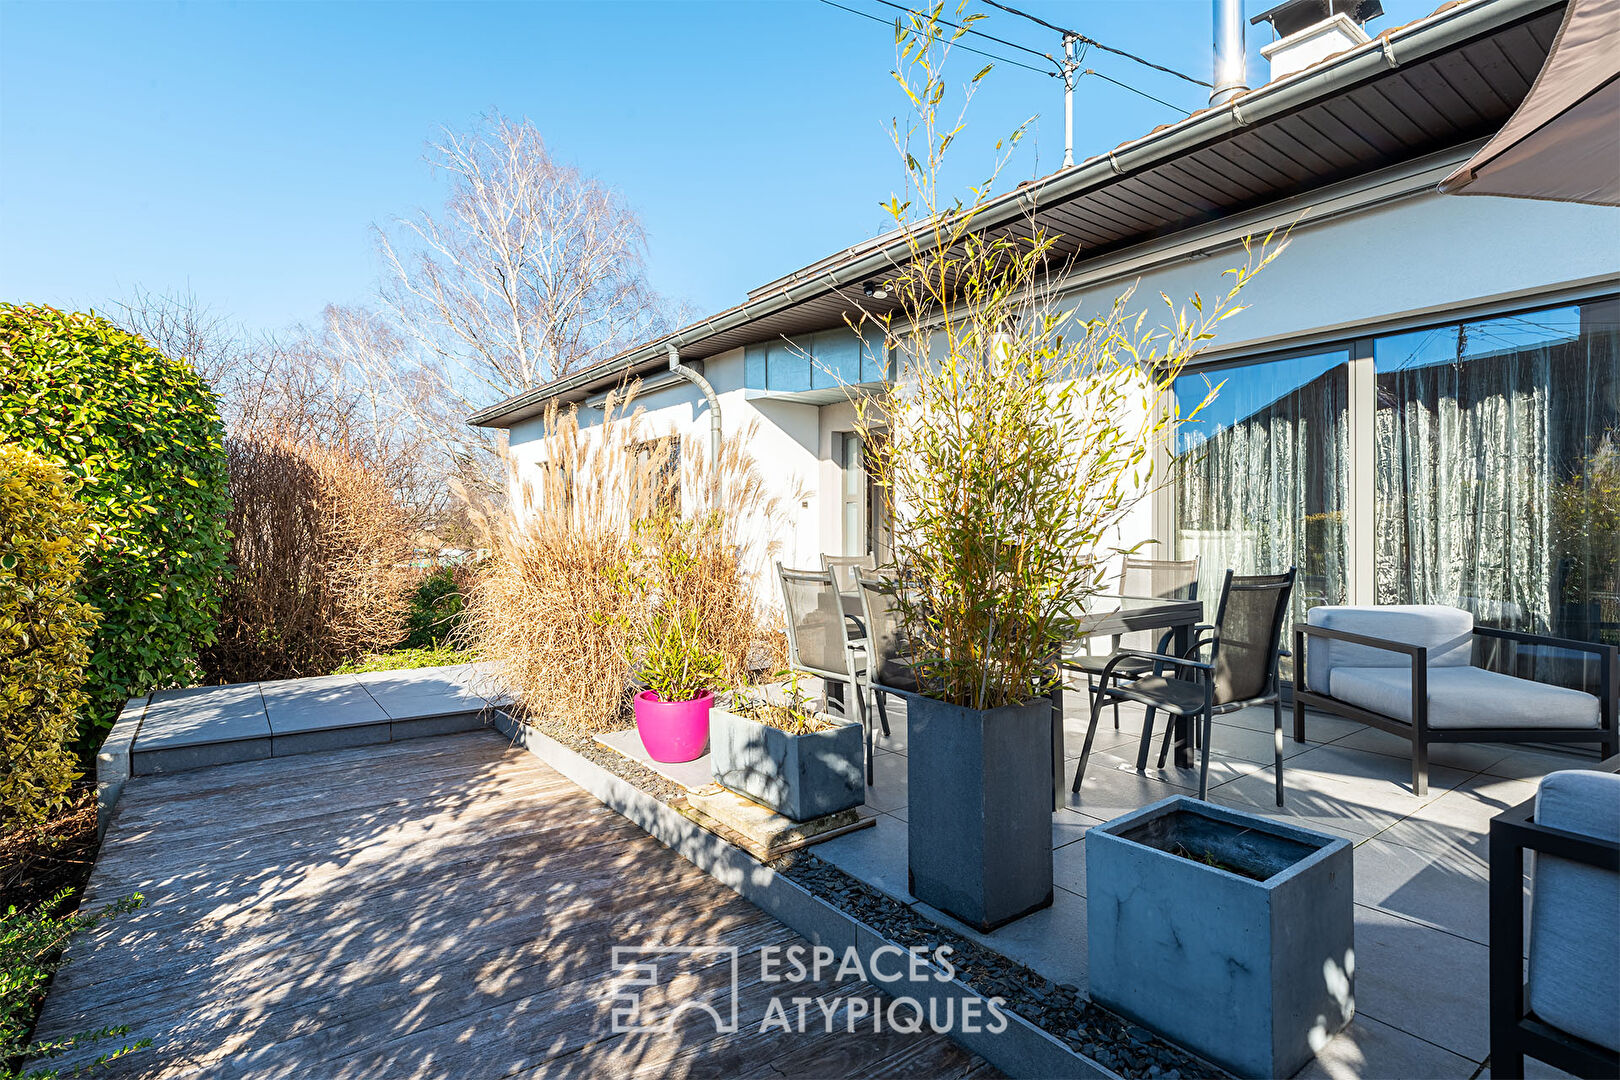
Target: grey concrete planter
<point>980,809</point>
<point>1256,975</point>
<point>801,777</point>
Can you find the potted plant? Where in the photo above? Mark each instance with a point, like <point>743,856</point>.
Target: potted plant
<point>1229,933</point>
<point>772,747</point>
<point>1011,444</point>
<point>679,674</point>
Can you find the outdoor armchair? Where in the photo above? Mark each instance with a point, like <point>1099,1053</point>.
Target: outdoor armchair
<point>1568,1013</point>
<point>1410,670</point>
<point>1245,650</point>
<point>819,642</point>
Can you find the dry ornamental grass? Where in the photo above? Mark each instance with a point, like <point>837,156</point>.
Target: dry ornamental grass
<point>595,548</point>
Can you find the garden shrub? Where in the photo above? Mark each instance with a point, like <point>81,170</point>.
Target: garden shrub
<point>435,612</point>
<point>44,634</point>
<point>141,434</point>
<point>31,944</point>
<point>320,552</point>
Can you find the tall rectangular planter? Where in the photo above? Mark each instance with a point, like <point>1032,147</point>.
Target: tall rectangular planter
<point>801,777</point>
<point>1256,975</point>
<point>979,813</point>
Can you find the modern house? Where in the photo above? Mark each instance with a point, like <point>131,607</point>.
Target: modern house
<point>1420,404</point>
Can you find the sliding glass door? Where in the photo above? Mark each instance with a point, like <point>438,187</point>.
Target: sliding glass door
<point>1474,464</point>
<point>1497,470</point>
<point>1262,474</point>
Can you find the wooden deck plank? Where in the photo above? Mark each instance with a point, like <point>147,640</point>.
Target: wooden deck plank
<point>440,908</point>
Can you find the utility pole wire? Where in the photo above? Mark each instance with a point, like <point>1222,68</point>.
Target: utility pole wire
<point>1083,39</point>
<point>1134,90</point>
<point>969,30</point>
<point>957,45</point>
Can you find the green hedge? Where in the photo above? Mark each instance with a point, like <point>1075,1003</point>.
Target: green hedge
<point>44,632</point>
<point>141,432</point>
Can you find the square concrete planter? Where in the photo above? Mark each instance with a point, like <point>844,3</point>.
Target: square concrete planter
<point>979,819</point>
<point>1253,972</point>
<point>801,777</point>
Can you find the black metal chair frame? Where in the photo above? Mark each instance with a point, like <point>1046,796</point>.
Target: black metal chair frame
<point>1515,1032</point>
<point>854,653</point>
<point>880,693</point>
<point>1131,562</point>
<point>1203,673</point>
<point>1419,731</point>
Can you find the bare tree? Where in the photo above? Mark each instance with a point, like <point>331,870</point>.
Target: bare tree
<point>180,326</point>
<point>532,271</point>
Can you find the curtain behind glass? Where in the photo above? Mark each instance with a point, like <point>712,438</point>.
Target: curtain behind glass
<point>1263,475</point>
<point>1496,484</point>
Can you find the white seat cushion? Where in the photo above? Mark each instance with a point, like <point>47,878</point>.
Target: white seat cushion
<point>1464,697</point>
<point>1574,910</point>
<point>1447,632</point>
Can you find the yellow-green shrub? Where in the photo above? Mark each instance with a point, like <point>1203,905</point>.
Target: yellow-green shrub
<point>45,629</point>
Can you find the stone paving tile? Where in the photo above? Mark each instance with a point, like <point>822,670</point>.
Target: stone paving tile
<point>1313,802</point>
<point>1368,1048</point>
<point>877,856</point>
<point>1378,773</point>
<point>331,701</point>
<point>888,790</point>
<point>409,695</point>
<point>1424,981</point>
<point>1109,791</point>
<point>1469,757</point>
<point>1069,867</point>
<point>202,714</point>
<point>1448,891</point>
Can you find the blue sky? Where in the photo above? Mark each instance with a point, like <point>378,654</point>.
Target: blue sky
<point>242,151</point>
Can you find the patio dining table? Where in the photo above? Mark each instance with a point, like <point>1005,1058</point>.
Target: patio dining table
<point>1112,616</point>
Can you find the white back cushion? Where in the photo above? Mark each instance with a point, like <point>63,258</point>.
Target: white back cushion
<point>1447,633</point>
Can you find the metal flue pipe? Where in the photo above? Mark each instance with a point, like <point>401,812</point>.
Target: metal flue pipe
<point>1231,76</point>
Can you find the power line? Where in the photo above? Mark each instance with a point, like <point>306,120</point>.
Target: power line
<point>1134,90</point>
<point>969,30</point>
<point>959,45</point>
<point>1083,39</point>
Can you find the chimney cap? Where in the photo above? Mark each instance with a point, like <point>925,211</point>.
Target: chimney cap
<point>1292,16</point>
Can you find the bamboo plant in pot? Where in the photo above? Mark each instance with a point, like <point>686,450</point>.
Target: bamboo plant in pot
<point>1012,442</point>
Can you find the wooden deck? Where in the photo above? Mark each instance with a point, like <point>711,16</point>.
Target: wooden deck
<point>445,907</point>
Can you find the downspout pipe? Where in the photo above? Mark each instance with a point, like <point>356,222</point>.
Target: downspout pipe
<point>693,376</point>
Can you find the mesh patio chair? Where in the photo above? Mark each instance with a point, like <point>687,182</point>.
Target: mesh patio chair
<point>1166,579</point>
<point>886,645</point>
<point>1245,646</point>
<point>843,569</point>
<point>819,641</point>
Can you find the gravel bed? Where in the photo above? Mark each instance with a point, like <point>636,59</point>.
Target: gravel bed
<point>1060,1009</point>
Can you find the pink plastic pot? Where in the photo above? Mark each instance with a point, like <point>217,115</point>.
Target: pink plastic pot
<point>673,730</point>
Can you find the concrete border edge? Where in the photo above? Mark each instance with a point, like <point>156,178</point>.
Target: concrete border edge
<point>113,760</point>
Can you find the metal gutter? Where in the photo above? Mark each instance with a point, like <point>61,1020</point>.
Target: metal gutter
<point>1417,41</point>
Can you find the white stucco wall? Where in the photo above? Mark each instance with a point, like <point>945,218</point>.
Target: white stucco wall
<point>786,442</point>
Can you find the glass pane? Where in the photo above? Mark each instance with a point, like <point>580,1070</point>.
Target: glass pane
<point>1498,470</point>
<point>1263,475</point>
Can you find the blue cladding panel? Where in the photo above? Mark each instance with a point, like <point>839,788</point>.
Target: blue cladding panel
<point>820,361</point>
